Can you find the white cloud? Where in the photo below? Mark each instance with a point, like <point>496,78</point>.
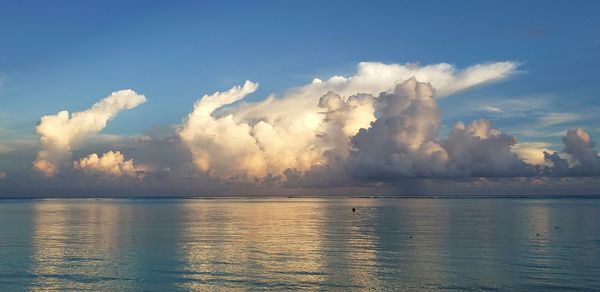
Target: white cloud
<point>110,163</point>
<point>299,129</point>
<point>220,144</point>
<point>377,126</point>
<point>58,132</point>
<point>371,78</point>
<point>343,119</point>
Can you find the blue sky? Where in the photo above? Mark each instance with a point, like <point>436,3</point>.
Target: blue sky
<point>67,54</point>
<point>57,55</point>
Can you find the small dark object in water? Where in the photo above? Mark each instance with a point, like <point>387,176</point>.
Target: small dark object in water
<point>353,210</point>
<point>410,237</point>
<point>537,234</point>
<point>555,227</point>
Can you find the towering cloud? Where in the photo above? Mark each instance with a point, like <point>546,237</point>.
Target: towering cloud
<point>379,126</point>
<point>221,144</point>
<point>227,147</point>
<point>581,157</point>
<point>312,124</point>
<point>402,141</point>
<point>58,132</point>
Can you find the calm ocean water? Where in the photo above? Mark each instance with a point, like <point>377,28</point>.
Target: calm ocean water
<point>300,243</point>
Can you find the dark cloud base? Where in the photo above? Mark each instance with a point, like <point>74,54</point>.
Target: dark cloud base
<point>417,187</point>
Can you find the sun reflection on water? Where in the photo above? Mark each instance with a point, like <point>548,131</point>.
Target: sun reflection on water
<point>71,245</point>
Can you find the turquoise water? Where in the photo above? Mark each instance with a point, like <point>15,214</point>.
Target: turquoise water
<point>293,243</point>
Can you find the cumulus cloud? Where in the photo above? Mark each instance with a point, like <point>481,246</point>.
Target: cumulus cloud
<point>220,144</point>
<point>111,163</point>
<point>376,128</point>
<point>58,132</point>
<point>301,105</point>
<point>45,167</point>
<point>579,156</point>
<point>343,119</point>
<point>402,141</point>
<point>226,147</point>
<point>308,125</point>
<point>477,149</point>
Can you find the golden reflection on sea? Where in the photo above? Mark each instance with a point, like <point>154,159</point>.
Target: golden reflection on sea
<point>70,244</point>
<point>300,243</point>
<point>270,242</point>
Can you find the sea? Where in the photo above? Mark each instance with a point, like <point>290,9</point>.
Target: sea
<point>281,243</point>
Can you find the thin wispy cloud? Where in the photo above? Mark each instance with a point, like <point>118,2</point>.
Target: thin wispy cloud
<point>548,125</point>
<point>551,119</point>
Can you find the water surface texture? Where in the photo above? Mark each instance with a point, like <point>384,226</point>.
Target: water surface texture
<point>300,243</point>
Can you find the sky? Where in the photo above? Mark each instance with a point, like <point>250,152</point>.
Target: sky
<point>299,97</point>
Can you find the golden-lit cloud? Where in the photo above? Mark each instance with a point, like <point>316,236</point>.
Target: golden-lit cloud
<point>304,127</point>
<point>58,132</point>
<point>111,163</point>
<point>377,126</point>
<point>45,167</point>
